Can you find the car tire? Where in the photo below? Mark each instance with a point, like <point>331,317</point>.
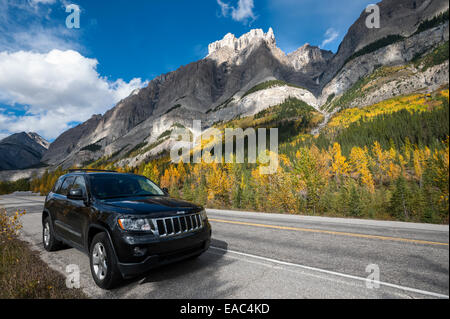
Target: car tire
<point>48,236</point>
<point>103,262</point>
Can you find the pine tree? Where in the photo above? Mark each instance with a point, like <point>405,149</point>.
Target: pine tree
<point>355,202</point>
<point>399,203</point>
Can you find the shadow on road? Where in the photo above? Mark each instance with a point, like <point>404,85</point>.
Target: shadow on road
<point>191,278</point>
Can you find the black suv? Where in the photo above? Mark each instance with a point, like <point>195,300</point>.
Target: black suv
<point>124,222</point>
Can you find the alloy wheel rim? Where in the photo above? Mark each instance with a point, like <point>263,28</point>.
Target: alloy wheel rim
<point>46,234</point>
<point>99,261</point>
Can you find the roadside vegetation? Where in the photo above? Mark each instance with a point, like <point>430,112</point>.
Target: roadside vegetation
<point>11,187</point>
<point>22,273</point>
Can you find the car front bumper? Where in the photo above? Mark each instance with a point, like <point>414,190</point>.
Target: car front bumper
<point>160,252</point>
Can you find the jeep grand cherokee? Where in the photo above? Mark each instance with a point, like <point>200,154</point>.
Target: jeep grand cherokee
<point>124,222</point>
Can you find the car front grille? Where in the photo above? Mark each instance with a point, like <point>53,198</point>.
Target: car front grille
<point>176,225</point>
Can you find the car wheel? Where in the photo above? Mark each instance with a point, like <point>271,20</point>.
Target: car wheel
<point>103,262</point>
<point>48,236</point>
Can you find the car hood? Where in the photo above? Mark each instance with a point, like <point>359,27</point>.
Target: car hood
<point>151,205</point>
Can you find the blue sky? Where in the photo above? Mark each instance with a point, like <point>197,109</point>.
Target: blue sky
<point>52,77</point>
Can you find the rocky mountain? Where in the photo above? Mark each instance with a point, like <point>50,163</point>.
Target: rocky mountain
<point>397,18</point>
<point>243,75</point>
<point>310,60</point>
<point>22,150</point>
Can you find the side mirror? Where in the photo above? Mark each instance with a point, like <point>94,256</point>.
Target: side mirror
<point>76,194</point>
<point>165,190</point>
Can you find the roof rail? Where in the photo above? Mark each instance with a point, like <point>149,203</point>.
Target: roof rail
<point>90,170</point>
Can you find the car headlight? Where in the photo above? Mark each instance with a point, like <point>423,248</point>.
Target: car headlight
<point>203,215</point>
<point>136,224</point>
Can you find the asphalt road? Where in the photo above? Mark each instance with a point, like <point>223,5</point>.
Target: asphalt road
<point>258,255</point>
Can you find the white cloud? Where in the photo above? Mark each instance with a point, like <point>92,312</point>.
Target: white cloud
<point>242,13</point>
<point>58,87</point>
<point>36,2</point>
<point>330,35</point>
<point>22,27</point>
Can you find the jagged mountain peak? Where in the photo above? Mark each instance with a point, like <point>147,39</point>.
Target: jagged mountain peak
<point>238,44</point>
<point>308,55</point>
<point>38,139</point>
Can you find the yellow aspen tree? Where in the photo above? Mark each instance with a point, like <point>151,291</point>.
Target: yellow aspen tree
<point>219,184</point>
<point>441,169</point>
<point>359,161</point>
<point>408,150</point>
<point>339,165</point>
<point>311,168</point>
<point>418,165</point>
<point>174,176</point>
<point>181,171</point>
<point>394,170</point>
<point>260,184</point>
<point>151,171</point>
<point>381,162</point>
<point>165,179</point>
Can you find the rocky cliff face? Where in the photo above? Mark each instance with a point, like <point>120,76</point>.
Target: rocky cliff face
<point>21,150</point>
<point>398,53</point>
<point>399,17</point>
<point>310,60</point>
<point>214,88</point>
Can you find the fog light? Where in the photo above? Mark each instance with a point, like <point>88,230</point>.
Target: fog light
<point>138,251</point>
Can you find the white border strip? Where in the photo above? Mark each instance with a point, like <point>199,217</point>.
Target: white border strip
<point>423,292</point>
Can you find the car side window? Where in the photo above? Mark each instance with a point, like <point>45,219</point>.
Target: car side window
<point>80,183</point>
<point>66,185</point>
<point>57,185</point>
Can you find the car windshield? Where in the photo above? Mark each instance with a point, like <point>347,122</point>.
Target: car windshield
<point>121,185</point>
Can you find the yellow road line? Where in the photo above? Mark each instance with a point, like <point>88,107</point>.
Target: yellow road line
<point>330,232</point>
